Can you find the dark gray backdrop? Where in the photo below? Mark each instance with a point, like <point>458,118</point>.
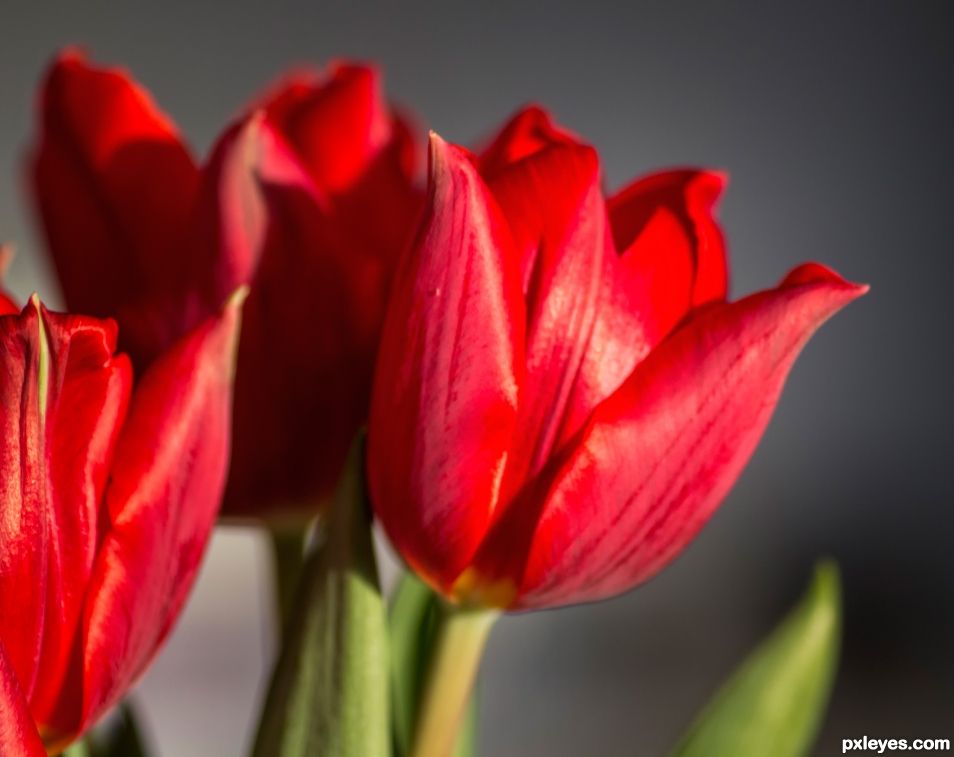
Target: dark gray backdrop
<point>835,122</point>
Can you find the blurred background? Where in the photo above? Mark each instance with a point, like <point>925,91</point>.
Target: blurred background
<point>836,123</point>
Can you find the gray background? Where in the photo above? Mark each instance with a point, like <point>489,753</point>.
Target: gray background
<point>835,122</point>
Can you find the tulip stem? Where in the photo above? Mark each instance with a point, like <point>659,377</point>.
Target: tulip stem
<point>288,556</point>
<point>449,679</point>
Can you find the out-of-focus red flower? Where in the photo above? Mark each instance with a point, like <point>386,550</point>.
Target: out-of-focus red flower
<point>309,198</point>
<point>109,494</point>
<point>563,393</point>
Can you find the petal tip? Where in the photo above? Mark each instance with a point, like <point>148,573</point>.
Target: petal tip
<point>344,68</point>
<point>445,158</point>
<point>536,114</point>
<point>71,55</point>
<point>809,274</point>
<point>708,186</point>
<point>435,141</point>
<point>719,177</point>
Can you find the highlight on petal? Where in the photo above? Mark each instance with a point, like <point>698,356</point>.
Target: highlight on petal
<point>448,374</point>
<point>168,475</point>
<point>659,455</point>
<point>114,188</point>
<point>18,733</point>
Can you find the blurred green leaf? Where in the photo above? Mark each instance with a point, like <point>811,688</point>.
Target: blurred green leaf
<point>329,692</point>
<point>774,704</point>
<point>414,618</point>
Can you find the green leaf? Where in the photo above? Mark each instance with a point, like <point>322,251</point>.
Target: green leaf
<point>329,692</point>
<point>774,704</point>
<point>414,616</point>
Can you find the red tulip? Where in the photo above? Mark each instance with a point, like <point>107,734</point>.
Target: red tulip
<point>309,199</point>
<point>563,394</point>
<point>110,493</point>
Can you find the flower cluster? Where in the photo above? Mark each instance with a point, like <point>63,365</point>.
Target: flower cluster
<point>557,390</point>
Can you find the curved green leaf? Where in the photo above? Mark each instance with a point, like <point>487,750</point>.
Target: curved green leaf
<point>774,704</point>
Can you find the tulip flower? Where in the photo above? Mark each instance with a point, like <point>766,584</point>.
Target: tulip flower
<point>308,198</point>
<point>110,491</point>
<point>563,394</point>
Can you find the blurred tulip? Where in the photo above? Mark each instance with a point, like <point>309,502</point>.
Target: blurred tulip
<point>563,394</point>
<point>308,198</point>
<point>110,490</point>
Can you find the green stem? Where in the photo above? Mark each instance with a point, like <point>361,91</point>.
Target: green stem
<point>454,661</point>
<point>287,543</point>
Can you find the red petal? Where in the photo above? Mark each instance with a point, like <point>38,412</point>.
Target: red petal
<point>661,453</point>
<point>618,340</point>
<point>336,124</point>
<point>549,199</point>
<point>553,203</point>
<point>167,480</point>
<point>672,260</point>
<point>18,733</point>
<point>64,398</point>
<point>445,395</point>
<point>114,187</point>
<point>527,133</point>
<point>672,248</point>
<point>88,394</point>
